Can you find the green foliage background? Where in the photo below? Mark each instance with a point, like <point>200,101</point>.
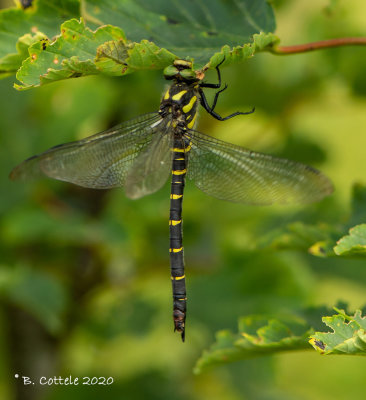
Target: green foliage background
<point>84,278</point>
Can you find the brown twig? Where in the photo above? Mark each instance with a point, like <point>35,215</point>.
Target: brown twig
<point>322,44</point>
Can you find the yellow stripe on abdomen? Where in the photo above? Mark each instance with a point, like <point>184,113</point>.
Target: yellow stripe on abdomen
<point>176,250</point>
<point>185,150</point>
<point>177,278</point>
<point>181,172</point>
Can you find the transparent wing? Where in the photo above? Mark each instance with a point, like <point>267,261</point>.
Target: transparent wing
<point>151,168</point>
<point>233,173</point>
<point>100,161</point>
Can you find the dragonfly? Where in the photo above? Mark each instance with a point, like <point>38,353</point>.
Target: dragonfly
<point>142,153</point>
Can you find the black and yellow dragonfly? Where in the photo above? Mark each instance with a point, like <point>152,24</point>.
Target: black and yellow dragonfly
<point>141,154</point>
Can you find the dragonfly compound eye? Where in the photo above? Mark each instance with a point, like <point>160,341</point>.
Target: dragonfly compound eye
<point>170,72</point>
<point>188,74</point>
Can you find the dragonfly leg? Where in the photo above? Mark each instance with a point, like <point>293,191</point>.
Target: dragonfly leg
<point>204,101</point>
<point>211,111</point>
<point>217,96</point>
<point>214,85</point>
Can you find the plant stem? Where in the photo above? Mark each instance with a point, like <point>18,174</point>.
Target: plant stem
<point>322,44</point>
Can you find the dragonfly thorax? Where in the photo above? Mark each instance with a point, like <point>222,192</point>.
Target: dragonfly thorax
<point>180,103</point>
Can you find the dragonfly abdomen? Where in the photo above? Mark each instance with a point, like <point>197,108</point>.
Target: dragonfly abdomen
<point>180,150</point>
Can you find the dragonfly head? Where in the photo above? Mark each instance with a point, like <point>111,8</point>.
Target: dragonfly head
<point>181,70</point>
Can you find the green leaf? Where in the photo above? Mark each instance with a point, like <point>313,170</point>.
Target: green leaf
<point>119,58</point>
<point>236,31</point>
<point>257,336</point>
<point>44,16</point>
<point>348,336</point>
<point>191,29</point>
<point>13,61</point>
<point>70,55</point>
<point>73,53</point>
<point>354,243</point>
<point>111,57</point>
<point>40,294</point>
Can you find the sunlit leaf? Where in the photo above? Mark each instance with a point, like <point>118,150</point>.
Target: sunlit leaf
<point>348,336</point>
<point>70,55</point>
<point>354,243</point>
<point>11,62</point>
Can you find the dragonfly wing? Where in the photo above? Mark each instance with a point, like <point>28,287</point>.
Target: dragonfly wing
<point>151,168</point>
<point>100,161</point>
<point>232,173</point>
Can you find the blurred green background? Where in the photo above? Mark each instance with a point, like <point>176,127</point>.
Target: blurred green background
<point>84,274</point>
